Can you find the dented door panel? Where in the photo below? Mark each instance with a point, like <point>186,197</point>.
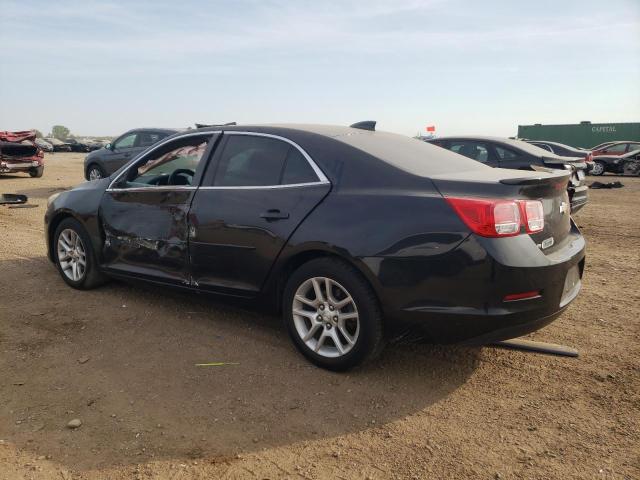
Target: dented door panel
<point>146,233</point>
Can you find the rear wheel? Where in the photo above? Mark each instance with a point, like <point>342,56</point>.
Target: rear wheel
<point>332,314</point>
<point>94,172</point>
<point>597,169</point>
<point>37,172</point>
<point>74,256</point>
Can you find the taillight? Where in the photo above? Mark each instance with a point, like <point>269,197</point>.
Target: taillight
<point>533,215</point>
<point>499,218</point>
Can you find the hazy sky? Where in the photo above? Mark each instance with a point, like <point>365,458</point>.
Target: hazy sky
<point>464,66</point>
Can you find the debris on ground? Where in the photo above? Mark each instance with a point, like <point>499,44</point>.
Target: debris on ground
<point>12,199</point>
<point>606,185</point>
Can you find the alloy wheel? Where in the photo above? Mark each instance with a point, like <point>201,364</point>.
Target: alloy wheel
<point>72,255</point>
<point>326,317</point>
<point>95,174</point>
<point>597,169</point>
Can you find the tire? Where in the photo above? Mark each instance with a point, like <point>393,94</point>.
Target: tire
<point>88,276</point>
<point>597,169</point>
<point>96,171</point>
<point>358,325</point>
<point>37,172</point>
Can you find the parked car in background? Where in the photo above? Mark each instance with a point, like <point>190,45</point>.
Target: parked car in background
<point>349,232</point>
<point>520,155</point>
<point>615,148</point>
<point>78,145</point>
<point>44,145</point>
<point>58,145</point>
<point>19,152</point>
<point>625,164</point>
<point>563,150</point>
<point>103,162</point>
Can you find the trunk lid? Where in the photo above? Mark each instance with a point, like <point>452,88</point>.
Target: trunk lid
<point>549,187</point>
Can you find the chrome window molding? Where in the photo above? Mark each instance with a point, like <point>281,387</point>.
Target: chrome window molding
<point>148,152</point>
<point>322,179</point>
<point>154,188</point>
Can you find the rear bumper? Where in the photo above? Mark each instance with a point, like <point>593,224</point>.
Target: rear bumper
<point>8,165</point>
<point>461,298</point>
<point>579,197</point>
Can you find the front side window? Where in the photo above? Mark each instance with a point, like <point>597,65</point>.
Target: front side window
<point>472,150</point>
<point>619,148</point>
<point>125,142</point>
<point>506,155</point>
<point>175,164</point>
<point>261,161</point>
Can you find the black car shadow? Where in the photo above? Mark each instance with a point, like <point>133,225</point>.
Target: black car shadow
<point>122,359</point>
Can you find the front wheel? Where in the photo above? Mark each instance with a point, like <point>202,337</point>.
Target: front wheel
<point>333,315</point>
<point>74,256</point>
<point>597,169</point>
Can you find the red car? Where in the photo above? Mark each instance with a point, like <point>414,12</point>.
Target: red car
<point>19,153</point>
<point>615,148</point>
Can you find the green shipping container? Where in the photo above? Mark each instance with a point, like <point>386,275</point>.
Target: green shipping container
<point>584,134</point>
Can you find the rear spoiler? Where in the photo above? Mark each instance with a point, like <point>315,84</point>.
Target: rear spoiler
<point>557,176</point>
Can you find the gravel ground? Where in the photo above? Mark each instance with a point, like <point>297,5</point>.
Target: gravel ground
<point>121,359</point>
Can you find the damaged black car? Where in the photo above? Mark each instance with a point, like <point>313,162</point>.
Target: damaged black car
<point>350,233</point>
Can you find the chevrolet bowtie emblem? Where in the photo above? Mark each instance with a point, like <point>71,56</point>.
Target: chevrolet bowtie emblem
<point>563,207</point>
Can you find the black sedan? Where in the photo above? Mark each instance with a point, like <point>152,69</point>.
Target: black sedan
<point>519,155</point>
<point>626,164</point>
<point>351,233</point>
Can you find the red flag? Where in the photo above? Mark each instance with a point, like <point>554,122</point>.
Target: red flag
<point>431,128</point>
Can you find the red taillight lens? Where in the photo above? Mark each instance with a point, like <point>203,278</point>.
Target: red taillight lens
<point>533,215</point>
<point>499,218</point>
<point>488,218</point>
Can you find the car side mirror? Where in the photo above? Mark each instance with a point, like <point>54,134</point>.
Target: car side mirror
<point>108,146</point>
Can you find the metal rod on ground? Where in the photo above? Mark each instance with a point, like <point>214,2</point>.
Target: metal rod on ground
<point>540,347</point>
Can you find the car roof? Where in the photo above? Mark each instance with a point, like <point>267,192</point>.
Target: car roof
<point>558,144</point>
<point>520,144</point>
<point>340,149</point>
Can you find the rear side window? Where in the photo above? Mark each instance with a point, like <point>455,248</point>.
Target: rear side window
<point>297,169</point>
<point>543,146</point>
<point>473,150</point>
<point>251,161</point>
<point>505,154</point>
<point>149,138</point>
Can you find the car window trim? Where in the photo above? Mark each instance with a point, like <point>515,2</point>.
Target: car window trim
<point>322,178</point>
<point>161,143</point>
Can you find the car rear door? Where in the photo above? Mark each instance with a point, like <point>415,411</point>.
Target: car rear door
<point>261,189</point>
<point>513,158</point>
<point>144,211</point>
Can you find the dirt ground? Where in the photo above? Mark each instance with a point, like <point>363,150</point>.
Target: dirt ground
<point>122,360</point>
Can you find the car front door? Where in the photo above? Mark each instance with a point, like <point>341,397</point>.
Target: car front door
<point>144,211</point>
<point>119,152</point>
<point>245,211</point>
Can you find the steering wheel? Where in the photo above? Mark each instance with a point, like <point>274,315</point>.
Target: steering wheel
<point>181,171</point>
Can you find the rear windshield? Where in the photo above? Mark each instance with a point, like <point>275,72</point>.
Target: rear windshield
<point>410,154</point>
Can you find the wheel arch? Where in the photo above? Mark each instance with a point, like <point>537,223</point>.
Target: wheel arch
<point>294,260</point>
<point>95,162</point>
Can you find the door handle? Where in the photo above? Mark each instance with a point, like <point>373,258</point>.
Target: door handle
<point>127,155</point>
<point>274,214</point>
